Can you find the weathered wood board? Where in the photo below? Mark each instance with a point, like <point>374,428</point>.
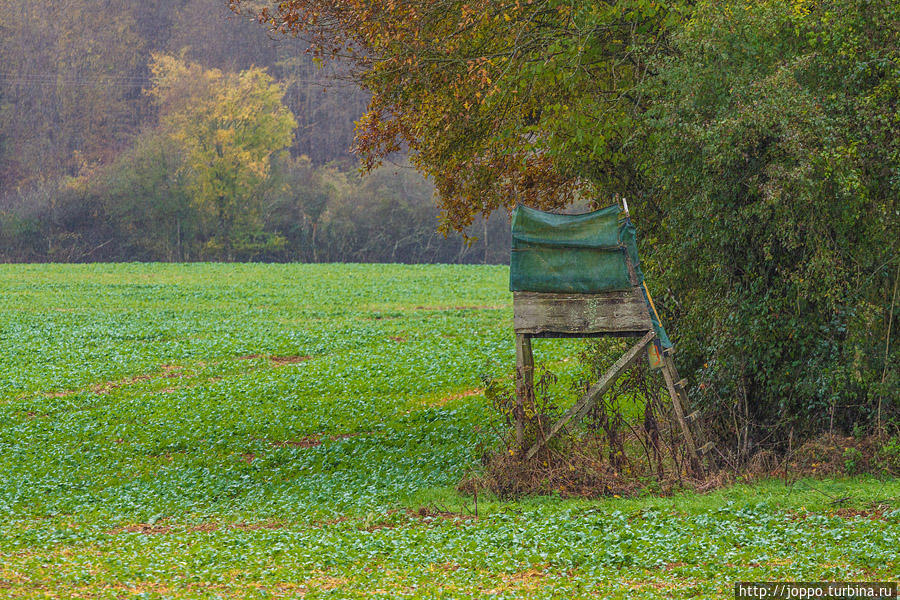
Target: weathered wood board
<point>614,313</point>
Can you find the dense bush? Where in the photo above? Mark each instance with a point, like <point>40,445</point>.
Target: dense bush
<point>776,159</point>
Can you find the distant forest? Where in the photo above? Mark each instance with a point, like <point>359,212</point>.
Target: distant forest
<point>174,130</point>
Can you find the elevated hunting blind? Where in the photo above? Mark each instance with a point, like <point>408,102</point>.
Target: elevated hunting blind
<point>580,276</point>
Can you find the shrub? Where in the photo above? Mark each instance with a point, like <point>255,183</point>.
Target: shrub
<point>775,162</point>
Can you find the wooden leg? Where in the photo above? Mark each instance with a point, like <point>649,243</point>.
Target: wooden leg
<point>581,408</point>
<point>524,384</point>
<point>671,376</point>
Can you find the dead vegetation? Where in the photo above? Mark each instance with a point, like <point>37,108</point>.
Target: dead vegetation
<point>311,441</point>
<point>628,446</point>
<point>165,372</point>
<point>577,468</point>
<point>389,520</point>
<point>458,396</point>
<point>277,361</point>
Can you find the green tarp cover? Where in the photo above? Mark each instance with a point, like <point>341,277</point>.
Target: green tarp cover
<point>581,254</point>
<point>567,253</point>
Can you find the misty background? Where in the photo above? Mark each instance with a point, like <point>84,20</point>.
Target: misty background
<point>131,131</point>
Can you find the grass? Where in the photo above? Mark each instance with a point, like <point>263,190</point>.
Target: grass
<point>282,431</point>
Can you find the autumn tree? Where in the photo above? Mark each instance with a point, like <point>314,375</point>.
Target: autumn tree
<point>230,126</point>
<point>528,101</point>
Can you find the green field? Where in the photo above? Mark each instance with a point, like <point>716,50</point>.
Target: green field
<point>270,431</point>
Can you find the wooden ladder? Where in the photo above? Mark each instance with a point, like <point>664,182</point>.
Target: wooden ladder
<point>677,391</point>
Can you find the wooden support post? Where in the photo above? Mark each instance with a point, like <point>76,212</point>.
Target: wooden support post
<point>676,391</point>
<point>593,395</point>
<point>524,385</point>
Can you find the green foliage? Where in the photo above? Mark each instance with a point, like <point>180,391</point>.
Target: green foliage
<point>775,162</point>
<point>148,201</point>
<point>853,460</point>
<point>150,447</point>
<point>887,457</point>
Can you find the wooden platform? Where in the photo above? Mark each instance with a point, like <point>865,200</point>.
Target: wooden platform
<point>618,313</point>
